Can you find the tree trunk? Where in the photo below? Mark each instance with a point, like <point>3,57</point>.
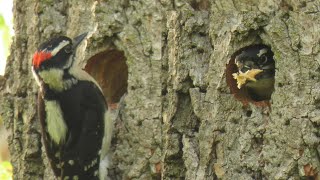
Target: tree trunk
<point>179,119</point>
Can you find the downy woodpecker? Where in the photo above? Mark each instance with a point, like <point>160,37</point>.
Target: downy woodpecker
<point>72,111</point>
<point>256,70</point>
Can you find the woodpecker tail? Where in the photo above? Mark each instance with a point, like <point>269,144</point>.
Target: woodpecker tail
<point>105,158</point>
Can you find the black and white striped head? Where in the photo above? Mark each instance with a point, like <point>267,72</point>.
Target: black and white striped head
<point>56,53</point>
<point>256,57</point>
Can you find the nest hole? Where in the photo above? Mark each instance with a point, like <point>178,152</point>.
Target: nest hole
<point>200,5</point>
<point>110,70</point>
<point>247,94</point>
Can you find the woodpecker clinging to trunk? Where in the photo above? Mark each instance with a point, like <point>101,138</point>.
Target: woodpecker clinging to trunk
<point>72,111</point>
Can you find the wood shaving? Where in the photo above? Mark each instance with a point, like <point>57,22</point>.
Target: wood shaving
<point>242,78</point>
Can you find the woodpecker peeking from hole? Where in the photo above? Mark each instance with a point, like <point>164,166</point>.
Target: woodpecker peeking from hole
<point>256,70</point>
<point>72,110</point>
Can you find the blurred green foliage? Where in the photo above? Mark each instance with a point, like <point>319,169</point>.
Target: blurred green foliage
<point>5,35</point>
<point>5,38</point>
<point>5,171</point>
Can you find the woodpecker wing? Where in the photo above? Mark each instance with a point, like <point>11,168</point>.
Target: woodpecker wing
<point>83,108</point>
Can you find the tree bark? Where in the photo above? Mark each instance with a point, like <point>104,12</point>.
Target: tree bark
<point>178,119</point>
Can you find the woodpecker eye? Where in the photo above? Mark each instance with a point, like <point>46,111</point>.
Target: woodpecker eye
<point>68,49</point>
<point>263,59</point>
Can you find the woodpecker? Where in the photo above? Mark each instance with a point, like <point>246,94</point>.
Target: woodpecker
<point>72,111</point>
<point>256,70</point>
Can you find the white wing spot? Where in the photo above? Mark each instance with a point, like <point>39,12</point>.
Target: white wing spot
<point>57,155</point>
<point>71,162</point>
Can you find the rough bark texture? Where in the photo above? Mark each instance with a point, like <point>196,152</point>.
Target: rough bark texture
<point>179,120</point>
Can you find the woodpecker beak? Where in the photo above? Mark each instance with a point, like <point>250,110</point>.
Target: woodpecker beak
<point>77,40</point>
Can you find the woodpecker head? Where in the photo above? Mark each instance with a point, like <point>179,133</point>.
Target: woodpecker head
<point>56,53</point>
<point>256,70</point>
<point>256,58</point>
<point>53,60</point>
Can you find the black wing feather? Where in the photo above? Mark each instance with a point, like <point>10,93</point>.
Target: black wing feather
<point>83,107</point>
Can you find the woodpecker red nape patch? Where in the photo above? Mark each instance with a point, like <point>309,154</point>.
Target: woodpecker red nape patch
<point>39,57</point>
